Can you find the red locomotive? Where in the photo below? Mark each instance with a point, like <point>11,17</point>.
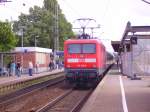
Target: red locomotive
<point>84,60</point>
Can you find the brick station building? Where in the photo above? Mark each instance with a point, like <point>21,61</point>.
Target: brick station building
<point>36,55</point>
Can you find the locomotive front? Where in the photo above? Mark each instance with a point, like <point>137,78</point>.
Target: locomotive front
<point>82,60</point>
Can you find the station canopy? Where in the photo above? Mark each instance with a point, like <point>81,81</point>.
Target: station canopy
<point>139,32</point>
<point>136,31</point>
<point>115,45</point>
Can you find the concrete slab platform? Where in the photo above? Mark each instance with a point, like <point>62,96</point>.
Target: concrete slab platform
<point>11,79</point>
<point>117,93</point>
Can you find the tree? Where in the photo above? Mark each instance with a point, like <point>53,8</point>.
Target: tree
<point>39,26</point>
<point>65,30</point>
<point>7,38</point>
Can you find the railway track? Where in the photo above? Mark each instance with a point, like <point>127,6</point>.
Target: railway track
<point>32,100</point>
<point>49,96</point>
<point>70,101</point>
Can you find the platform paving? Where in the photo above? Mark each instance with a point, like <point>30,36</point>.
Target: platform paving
<point>10,79</point>
<point>108,96</point>
<point>137,94</point>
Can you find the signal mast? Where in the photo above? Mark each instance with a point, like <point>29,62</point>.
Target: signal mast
<point>83,23</point>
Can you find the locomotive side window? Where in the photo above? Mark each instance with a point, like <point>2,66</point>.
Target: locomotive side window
<point>74,48</point>
<point>88,48</point>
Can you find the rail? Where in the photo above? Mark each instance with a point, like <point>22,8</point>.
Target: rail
<point>50,104</point>
<point>77,105</point>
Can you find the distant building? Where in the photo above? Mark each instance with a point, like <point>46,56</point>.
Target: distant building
<point>37,55</point>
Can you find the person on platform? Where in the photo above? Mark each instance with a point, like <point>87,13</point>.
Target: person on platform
<point>13,68</point>
<point>57,63</point>
<point>51,65</point>
<point>30,68</point>
<point>37,67</point>
<point>8,68</point>
<point>18,69</point>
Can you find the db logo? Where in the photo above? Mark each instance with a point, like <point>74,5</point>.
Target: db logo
<point>81,60</point>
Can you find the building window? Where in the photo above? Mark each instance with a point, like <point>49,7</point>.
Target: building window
<point>40,58</point>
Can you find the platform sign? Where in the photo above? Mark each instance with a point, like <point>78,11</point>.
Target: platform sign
<point>60,53</point>
<point>133,40</point>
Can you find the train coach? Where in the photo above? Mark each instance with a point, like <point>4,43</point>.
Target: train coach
<point>84,60</point>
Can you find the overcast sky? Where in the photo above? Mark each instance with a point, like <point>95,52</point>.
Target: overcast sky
<point>112,15</point>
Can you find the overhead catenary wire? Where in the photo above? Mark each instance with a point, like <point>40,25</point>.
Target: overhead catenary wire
<point>106,9</point>
<point>148,2</point>
<point>14,10</point>
<point>77,15</point>
<point>80,15</point>
<point>71,9</point>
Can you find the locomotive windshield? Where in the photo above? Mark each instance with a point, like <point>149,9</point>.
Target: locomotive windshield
<point>74,48</point>
<point>88,48</point>
<point>81,48</point>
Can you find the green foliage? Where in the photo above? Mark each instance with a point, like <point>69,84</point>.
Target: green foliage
<point>39,25</point>
<point>65,29</point>
<point>7,37</point>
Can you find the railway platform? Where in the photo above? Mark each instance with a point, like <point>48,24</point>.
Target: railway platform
<point>117,93</point>
<point>5,80</point>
